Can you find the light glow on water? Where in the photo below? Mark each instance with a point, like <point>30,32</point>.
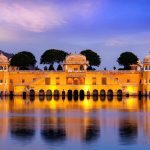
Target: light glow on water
<point>75,124</point>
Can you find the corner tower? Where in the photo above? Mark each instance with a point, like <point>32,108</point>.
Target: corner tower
<point>146,75</point>
<point>4,76</point>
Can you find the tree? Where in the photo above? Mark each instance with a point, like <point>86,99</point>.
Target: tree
<point>126,59</point>
<point>53,56</point>
<point>24,60</point>
<point>45,68</point>
<point>114,68</point>
<point>92,57</point>
<point>59,67</point>
<point>51,67</point>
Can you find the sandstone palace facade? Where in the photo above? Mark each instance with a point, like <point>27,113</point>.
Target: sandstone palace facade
<point>75,79</point>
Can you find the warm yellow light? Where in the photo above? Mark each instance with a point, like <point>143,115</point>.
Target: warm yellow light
<point>130,89</point>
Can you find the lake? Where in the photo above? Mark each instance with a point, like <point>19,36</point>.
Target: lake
<point>91,123</point>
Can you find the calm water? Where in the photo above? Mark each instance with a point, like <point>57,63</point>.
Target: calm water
<point>89,124</point>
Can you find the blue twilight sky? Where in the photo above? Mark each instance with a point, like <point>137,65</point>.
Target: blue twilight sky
<point>108,27</point>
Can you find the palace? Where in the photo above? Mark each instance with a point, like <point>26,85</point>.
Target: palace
<point>75,79</point>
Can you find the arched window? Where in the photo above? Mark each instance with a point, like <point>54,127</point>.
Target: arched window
<point>69,81</point>
<point>1,67</point>
<point>146,68</point>
<point>75,81</point>
<point>81,67</point>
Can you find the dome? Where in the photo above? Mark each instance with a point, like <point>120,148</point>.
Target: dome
<point>3,59</point>
<point>75,59</point>
<point>147,59</point>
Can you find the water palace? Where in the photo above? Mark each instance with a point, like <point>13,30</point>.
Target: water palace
<point>75,79</point>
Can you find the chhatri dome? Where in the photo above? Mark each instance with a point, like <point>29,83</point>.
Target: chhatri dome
<point>75,59</point>
<point>75,62</point>
<point>3,59</point>
<point>147,59</point>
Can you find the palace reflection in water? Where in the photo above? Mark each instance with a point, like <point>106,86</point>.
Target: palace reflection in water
<point>48,122</point>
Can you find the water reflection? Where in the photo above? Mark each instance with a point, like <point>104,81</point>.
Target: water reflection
<point>47,120</point>
<point>22,128</point>
<point>52,129</point>
<point>128,131</point>
<point>92,131</point>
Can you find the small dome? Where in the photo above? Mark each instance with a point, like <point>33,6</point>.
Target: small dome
<point>76,59</point>
<point>3,59</point>
<point>147,59</point>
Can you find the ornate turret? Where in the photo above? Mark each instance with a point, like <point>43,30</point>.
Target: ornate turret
<point>146,63</point>
<point>4,62</point>
<point>75,63</point>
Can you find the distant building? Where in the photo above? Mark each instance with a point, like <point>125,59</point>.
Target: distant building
<point>75,79</point>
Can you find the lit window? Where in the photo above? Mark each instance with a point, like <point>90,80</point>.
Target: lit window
<point>82,81</point>
<point>23,80</point>
<point>69,81</point>
<point>47,81</point>
<point>94,81</point>
<point>128,80</point>
<point>57,81</point>
<point>34,79</point>
<point>1,68</point>
<point>146,68</point>
<point>11,80</point>
<point>104,81</point>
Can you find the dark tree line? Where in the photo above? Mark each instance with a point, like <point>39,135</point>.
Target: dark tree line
<point>26,60</point>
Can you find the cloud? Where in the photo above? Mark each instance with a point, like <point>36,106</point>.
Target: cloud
<point>7,35</point>
<point>141,38</point>
<point>36,18</point>
<point>43,16</point>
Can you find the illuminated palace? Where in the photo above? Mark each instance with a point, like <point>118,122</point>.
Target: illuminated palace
<point>75,79</point>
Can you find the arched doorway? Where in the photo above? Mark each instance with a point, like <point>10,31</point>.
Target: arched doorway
<point>81,94</point>
<point>88,93</point>
<point>56,92</point>
<point>69,94</point>
<point>119,92</point>
<point>32,92</point>
<point>24,95</point>
<point>102,92</point>
<point>63,95</point>
<point>95,92</point>
<point>49,93</point>
<point>110,93</point>
<point>41,92</point>
<point>75,93</point>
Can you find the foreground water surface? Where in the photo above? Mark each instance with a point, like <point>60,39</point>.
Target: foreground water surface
<point>90,124</point>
